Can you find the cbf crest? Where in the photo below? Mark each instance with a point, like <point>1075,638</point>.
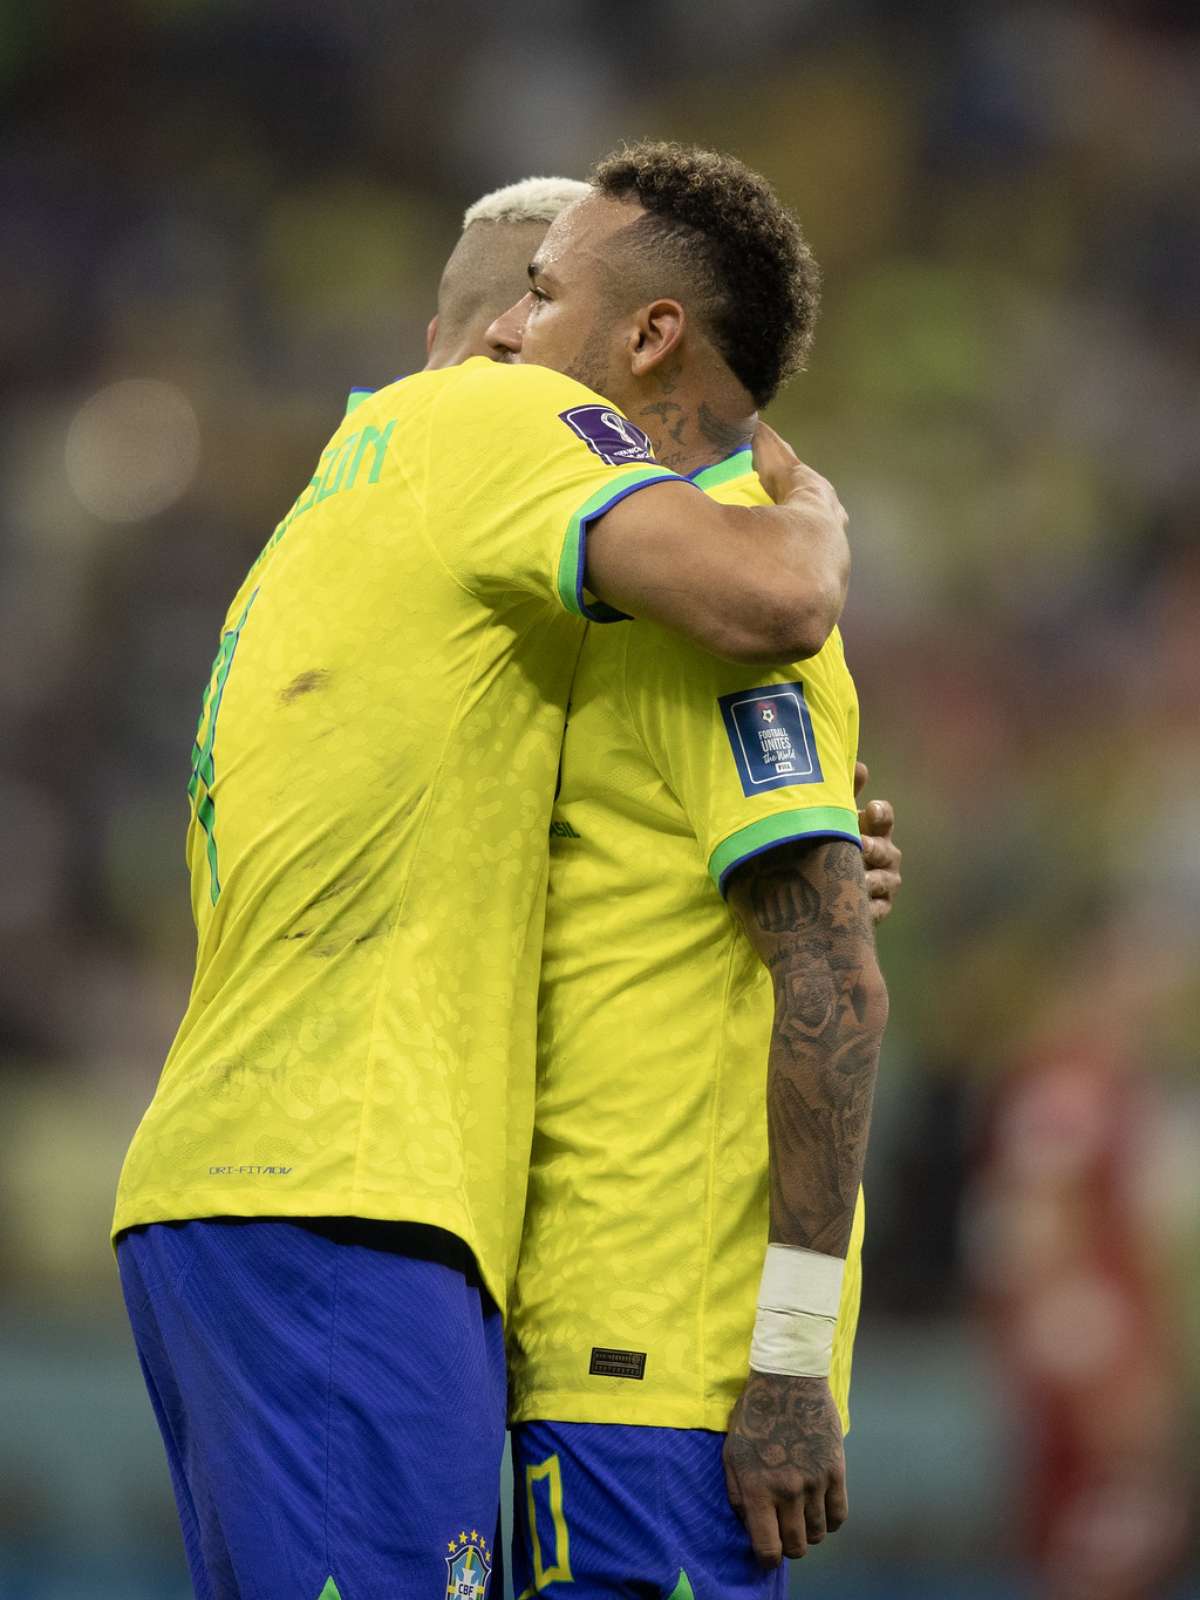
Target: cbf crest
<point>771,736</point>
<point>468,1567</point>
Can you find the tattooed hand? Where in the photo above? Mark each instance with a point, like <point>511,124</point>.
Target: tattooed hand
<point>784,1465</point>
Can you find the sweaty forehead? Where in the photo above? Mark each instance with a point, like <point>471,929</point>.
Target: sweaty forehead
<point>579,234</point>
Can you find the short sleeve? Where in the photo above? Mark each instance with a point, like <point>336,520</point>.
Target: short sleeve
<point>755,758</point>
<point>522,461</point>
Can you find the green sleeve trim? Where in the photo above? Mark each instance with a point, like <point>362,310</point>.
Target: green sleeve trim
<point>572,559</point>
<point>807,822</point>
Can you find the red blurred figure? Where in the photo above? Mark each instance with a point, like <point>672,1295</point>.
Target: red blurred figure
<point>1067,1263</point>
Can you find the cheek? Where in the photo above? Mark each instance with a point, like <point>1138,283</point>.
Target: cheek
<point>538,335</point>
<point>549,322</point>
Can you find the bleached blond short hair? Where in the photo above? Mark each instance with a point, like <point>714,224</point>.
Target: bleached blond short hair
<point>531,200</point>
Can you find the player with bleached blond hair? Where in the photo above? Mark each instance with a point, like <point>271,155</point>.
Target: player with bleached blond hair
<point>319,1216</point>
<point>487,268</point>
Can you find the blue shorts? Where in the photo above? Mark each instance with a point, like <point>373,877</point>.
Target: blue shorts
<point>607,1510</point>
<point>331,1396</point>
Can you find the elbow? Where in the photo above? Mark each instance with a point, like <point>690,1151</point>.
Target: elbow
<point>788,597</point>
<point>869,993</point>
<point>781,628</point>
<point>872,997</point>
<point>814,613</point>
<point>808,631</point>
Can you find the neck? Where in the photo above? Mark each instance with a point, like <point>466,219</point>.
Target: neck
<point>693,424</point>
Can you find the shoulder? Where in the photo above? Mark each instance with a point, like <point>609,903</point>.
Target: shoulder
<point>506,383</point>
<point>541,414</point>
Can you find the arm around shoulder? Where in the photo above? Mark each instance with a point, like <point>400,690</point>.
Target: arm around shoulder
<point>761,584</point>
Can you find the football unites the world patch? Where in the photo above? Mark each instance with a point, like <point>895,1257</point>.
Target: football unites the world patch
<point>609,435</point>
<point>771,736</point>
<point>468,1567</point>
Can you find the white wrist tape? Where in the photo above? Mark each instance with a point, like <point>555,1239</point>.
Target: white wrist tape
<point>798,1301</point>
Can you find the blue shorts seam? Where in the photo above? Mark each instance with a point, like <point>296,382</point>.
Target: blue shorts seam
<point>128,1266</point>
<point>333,1318</point>
<point>158,1281</point>
<point>660,1485</point>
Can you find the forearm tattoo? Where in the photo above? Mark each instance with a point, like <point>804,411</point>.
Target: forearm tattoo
<point>805,908</point>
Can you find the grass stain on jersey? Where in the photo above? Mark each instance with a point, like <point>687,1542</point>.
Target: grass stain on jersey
<point>305,683</point>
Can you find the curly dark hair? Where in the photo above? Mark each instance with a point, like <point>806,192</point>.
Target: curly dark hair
<point>737,246</point>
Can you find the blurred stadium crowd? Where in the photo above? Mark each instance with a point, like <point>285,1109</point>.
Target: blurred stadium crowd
<point>219,217</point>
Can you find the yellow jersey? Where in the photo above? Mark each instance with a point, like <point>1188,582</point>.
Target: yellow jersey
<point>647,1213</point>
<point>371,789</point>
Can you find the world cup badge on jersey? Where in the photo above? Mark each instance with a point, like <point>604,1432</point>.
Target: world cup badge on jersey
<point>468,1567</point>
<point>608,434</point>
<point>771,737</point>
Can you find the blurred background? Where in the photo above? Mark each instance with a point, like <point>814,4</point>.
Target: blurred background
<point>217,216</point>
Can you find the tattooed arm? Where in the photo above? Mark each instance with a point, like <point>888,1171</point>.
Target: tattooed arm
<point>805,909</point>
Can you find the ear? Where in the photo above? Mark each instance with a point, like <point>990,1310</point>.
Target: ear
<point>430,334</point>
<point>656,334</point>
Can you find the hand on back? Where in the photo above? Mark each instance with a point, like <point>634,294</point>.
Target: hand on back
<point>881,854</point>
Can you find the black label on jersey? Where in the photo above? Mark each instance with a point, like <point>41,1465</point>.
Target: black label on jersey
<point>617,1363</point>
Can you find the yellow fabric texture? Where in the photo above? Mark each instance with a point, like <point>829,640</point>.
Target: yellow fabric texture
<point>373,776</point>
<point>646,1220</point>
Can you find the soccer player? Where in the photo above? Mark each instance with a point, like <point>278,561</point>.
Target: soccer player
<point>320,1211</point>
<point>707,912</point>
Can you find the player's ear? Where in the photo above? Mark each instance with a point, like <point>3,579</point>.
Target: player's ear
<point>430,334</point>
<point>658,328</point>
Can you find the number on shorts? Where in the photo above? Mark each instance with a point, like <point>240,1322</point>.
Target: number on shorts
<point>560,1567</point>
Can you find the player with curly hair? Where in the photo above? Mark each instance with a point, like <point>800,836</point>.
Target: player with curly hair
<point>684,1311</point>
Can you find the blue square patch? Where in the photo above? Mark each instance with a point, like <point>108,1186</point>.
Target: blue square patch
<point>771,735</point>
